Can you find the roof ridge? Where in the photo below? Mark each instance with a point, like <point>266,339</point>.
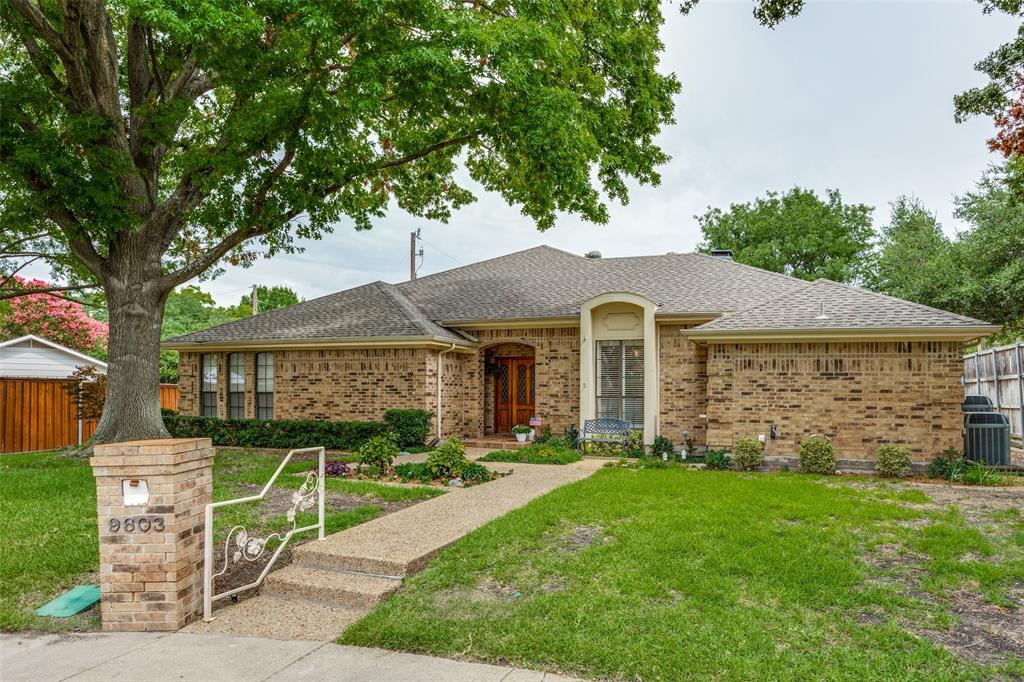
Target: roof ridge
<point>904,301</point>
<point>745,265</point>
<point>406,307</point>
<point>414,282</point>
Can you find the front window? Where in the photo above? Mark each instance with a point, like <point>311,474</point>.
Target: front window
<point>236,386</point>
<point>264,385</point>
<point>620,381</point>
<point>208,389</point>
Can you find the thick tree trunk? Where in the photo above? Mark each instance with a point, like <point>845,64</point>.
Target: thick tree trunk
<point>132,407</point>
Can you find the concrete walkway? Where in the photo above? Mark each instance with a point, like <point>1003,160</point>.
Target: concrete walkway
<point>331,583</point>
<point>155,657</point>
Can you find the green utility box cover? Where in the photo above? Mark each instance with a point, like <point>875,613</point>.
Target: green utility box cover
<point>71,602</point>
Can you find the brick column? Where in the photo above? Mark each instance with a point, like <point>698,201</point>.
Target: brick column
<point>151,551</point>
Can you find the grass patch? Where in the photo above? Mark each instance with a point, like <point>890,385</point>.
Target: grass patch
<point>538,453</point>
<point>681,574</point>
<point>48,526</point>
<point>48,522</point>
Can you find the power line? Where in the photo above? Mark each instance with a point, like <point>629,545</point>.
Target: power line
<point>442,252</point>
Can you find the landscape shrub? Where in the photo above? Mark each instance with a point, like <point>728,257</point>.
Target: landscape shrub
<point>748,453</point>
<point>976,473</point>
<point>414,471</point>
<point>717,459</point>
<point>333,467</point>
<point>572,435</point>
<point>544,436</point>
<point>476,473</point>
<point>817,455</point>
<point>280,433</point>
<point>543,453</point>
<point>663,446</point>
<point>378,453</point>
<point>448,460</point>
<point>893,461</point>
<point>948,465</point>
<point>411,425</point>
<point>635,441</point>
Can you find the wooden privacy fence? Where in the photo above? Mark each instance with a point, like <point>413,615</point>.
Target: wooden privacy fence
<point>39,414</point>
<point>999,374</point>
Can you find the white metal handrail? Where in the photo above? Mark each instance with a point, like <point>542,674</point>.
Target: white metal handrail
<point>250,549</point>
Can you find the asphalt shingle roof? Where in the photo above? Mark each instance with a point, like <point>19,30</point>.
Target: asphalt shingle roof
<point>372,310</point>
<point>824,304</point>
<point>546,282</point>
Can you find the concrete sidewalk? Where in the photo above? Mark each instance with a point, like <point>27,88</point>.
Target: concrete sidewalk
<point>183,657</point>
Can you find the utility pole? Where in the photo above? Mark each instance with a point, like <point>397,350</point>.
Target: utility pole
<point>413,253</point>
<point>255,302</point>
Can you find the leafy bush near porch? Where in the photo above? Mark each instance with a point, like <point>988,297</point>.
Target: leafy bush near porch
<point>893,461</point>
<point>633,447</point>
<point>411,425</point>
<point>379,452</point>
<point>948,465</point>
<point>817,455</point>
<point>748,453</point>
<point>279,433</point>
<point>663,446</point>
<point>534,454</point>
<point>448,460</point>
<point>717,459</point>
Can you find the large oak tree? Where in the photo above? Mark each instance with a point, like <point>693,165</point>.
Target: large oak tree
<point>143,141</point>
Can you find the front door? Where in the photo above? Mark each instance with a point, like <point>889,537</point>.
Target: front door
<point>515,389</point>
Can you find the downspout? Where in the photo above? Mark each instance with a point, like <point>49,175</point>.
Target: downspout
<point>439,354</point>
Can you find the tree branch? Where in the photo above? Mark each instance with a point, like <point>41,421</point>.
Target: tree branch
<point>34,16</point>
<point>45,290</point>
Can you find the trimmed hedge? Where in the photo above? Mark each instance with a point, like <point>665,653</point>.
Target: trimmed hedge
<point>282,433</point>
<point>411,425</point>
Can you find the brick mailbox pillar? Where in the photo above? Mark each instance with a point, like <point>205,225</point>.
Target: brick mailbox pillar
<point>151,495</point>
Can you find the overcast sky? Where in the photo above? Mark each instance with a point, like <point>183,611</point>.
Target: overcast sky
<point>849,95</point>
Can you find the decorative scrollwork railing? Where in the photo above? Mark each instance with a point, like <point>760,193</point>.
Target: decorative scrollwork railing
<point>248,549</point>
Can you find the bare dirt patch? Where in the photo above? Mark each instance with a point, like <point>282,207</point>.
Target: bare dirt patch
<point>583,536</point>
<point>982,632</point>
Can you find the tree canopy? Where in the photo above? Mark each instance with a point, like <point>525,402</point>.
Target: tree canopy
<point>143,142</point>
<point>796,233</point>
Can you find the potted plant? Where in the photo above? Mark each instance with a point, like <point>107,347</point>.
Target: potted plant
<point>521,431</point>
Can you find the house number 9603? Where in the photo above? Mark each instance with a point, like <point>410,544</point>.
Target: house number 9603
<point>140,524</point>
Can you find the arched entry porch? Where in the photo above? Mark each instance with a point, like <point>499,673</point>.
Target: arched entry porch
<point>510,386</point>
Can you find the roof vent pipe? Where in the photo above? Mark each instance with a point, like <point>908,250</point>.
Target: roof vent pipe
<point>593,254</point>
<point>724,254</point>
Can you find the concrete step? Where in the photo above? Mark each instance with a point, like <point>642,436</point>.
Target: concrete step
<point>277,618</point>
<point>320,555</point>
<point>337,588</point>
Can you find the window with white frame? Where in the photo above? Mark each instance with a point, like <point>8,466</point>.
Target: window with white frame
<point>264,385</point>
<point>236,386</point>
<point>208,386</point>
<point>620,381</point>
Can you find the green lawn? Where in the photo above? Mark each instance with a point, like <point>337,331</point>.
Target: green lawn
<point>676,574</point>
<point>48,522</point>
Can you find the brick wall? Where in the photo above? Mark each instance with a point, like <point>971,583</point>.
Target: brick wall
<point>860,395</point>
<point>335,384</point>
<point>461,410</point>
<point>684,384</point>
<point>557,357</point>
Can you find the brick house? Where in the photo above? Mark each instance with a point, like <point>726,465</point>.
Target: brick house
<point>670,343</point>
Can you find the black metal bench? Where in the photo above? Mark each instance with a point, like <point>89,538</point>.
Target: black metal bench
<point>605,431</point>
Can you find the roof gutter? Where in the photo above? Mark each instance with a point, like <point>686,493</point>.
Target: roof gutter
<point>440,370</point>
<point>343,342</point>
<point>946,333</point>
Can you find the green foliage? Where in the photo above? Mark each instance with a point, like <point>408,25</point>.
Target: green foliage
<point>410,425</point>
<point>977,473</point>
<point>795,233</point>
<point>267,299</point>
<point>717,459</point>
<point>663,446</point>
<point>948,465</point>
<point>538,453</point>
<point>572,435</point>
<point>520,429</point>
<point>281,433</point>
<point>893,461</point>
<point>379,452</point>
<point>748,453</point>
<point>635,440</point>
<point>544,436</point>
<point>979,273</point>
<point>414,471</point>
<point>476,473</point>
<point>448,460</point>
<point>817,455</point>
